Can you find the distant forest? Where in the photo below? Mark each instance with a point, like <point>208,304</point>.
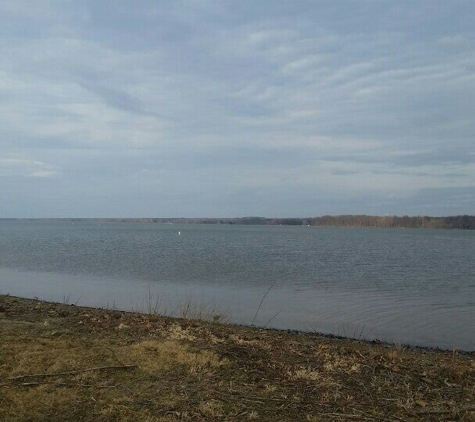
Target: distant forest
<point>465,222</point>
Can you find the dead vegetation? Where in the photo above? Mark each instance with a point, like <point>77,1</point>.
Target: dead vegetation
<point>63,362</point>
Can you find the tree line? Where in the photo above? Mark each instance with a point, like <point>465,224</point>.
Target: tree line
<point>464,222</point>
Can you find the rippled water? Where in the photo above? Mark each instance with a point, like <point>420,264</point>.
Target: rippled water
<point>406,286</point>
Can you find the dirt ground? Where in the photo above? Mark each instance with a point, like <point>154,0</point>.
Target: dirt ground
<point>67,363</point>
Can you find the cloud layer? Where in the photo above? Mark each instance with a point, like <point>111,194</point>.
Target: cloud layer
<point>222,108</point>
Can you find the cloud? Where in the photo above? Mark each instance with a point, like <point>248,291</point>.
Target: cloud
<point>453,41</point>
<point>156,107</point>
<point>17,167</point>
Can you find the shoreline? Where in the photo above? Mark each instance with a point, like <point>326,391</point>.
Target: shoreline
<point>92,364</point>
<point>293,331</point>
<point>452,222</point>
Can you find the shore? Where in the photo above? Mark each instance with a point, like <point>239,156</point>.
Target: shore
<point>65,362</point>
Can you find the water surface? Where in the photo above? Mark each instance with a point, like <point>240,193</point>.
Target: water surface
<point>398,285</point>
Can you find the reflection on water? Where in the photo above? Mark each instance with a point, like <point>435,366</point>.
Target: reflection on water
<point>406,286</point>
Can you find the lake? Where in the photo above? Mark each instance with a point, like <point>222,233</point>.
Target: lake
<point>399,285</point>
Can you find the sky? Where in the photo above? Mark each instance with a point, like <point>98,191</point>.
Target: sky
<point>204,108</point>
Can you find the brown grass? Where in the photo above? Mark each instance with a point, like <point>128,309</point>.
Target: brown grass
<point>63,362</point>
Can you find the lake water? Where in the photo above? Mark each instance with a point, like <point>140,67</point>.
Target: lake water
<point>406,286</point>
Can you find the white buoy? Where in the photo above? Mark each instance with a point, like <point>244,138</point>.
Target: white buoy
<point>179,233</point>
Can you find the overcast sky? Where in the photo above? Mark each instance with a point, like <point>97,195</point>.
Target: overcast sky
<point>236,108</point>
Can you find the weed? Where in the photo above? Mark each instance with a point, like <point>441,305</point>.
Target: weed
<point>260,304</point>
<point>353,330</point>
<point>271,319</point>
<point>67,300</point>
<point>203,311</point>
<point>151,305</point>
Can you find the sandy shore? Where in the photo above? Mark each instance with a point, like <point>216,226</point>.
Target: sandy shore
<point>64,362</point>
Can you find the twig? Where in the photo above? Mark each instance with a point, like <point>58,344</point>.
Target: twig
<point>251,399</point>
<point>115,356</point>
<point>260,303</point>
<point>79,371</point>
<point>348,416</point>
<point>470,408</point>
<point>64,384</point>
<point>255,399</point>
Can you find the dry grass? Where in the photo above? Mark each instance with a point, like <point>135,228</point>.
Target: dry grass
<point>62,362</point>
<point>155,357</point>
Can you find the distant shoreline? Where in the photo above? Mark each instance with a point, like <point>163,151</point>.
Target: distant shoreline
<point>460,222</point>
